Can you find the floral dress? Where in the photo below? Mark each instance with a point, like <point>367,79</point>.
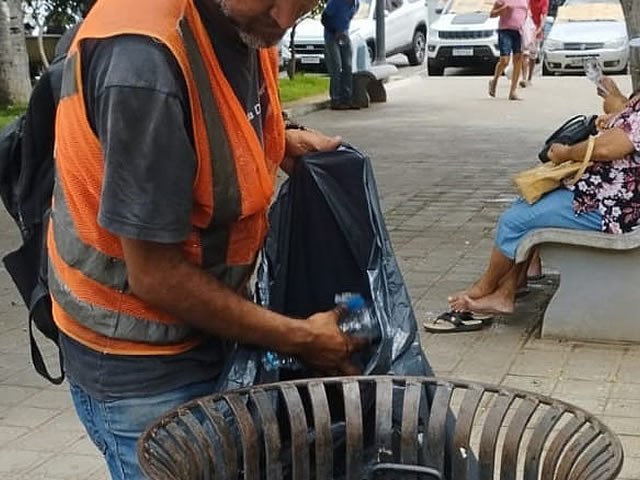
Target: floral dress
<point>613,188</point>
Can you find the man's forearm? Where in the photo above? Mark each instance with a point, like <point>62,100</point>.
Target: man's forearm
<point>202,301</point>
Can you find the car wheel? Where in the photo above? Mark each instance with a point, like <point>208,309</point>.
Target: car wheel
<point>418,48</point>
<point>623,71</point>
<point>545,71</point>
<point>371,48</point>
<point>435,69</point>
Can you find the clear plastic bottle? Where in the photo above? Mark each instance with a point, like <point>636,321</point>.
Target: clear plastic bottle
<point>275,361</point>
<point>357,322</point>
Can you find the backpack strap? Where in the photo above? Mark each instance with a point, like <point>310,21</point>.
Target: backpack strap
<point>38,361</point>
<point>41,313</point>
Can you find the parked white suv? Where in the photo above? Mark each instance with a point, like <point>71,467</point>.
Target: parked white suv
<point>463,37</point>
<point>406,32</point>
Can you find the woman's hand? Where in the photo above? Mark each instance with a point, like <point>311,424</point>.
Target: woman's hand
<point>559,153</point>
<point>602,121</point>
<point>607,87</point>
<point>614,100</point>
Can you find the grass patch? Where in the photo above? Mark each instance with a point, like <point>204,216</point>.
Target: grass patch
<point>8,114</point>
<point>302,86</point>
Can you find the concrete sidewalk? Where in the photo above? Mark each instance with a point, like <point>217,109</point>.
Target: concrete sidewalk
<point>443,153</point>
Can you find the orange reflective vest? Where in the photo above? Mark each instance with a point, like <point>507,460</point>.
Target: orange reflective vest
<point>232,190</point>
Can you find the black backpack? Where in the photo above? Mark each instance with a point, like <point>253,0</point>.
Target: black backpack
<point>26,186</point>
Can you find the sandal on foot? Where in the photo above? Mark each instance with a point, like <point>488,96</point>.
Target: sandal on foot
<point>453,322</point>
<point>484,317</point>
<point>522,292</point>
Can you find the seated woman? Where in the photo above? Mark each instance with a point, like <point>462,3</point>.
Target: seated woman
<point>606,198</point>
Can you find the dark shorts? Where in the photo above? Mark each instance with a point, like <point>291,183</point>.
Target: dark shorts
<point>509,41</point>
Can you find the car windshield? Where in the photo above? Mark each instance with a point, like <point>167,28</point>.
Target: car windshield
<point>468,6</point>
<point>363,10</point>
<point>591,11</point>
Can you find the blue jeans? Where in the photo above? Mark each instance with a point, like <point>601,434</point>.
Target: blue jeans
<point>115,426</point>
<point>554,210</point>
<point>337,58</point>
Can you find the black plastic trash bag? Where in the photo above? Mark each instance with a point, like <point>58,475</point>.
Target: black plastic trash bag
<point>328,236</point>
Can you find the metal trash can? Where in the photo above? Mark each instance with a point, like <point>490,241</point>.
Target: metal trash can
<point>380,427</point>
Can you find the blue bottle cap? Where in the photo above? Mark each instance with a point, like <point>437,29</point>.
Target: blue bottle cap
<point>355,302</point>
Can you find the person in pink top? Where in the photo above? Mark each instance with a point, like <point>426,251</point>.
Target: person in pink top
<point>513,14</point>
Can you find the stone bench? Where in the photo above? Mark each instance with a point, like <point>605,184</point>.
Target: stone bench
<point>599,283</point>
<point>368,84</point>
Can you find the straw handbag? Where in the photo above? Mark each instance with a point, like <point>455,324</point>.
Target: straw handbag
<point>535,182</point>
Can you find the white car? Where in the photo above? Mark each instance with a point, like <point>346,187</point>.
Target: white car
<point>406,32</point>
<point>587,29</point>
<point>463,36</point>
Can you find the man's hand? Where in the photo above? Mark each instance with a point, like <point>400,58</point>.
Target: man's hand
<point>330,350</point>
<point>302,142</point>
<point>559,153</point>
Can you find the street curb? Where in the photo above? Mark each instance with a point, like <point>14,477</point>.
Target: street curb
<point>305,108</point>
<point>301,108</point>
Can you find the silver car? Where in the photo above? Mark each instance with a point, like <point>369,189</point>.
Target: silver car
<point>587,29</point>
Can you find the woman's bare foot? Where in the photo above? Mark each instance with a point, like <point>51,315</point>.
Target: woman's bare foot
<point>477,290</point>
<point>496,303</point>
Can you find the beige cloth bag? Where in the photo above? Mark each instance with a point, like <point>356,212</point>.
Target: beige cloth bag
<point>535,182</point>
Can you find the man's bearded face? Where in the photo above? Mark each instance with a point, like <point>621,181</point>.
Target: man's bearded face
<point>262,23</point>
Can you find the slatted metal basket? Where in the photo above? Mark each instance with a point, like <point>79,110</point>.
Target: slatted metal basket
<point>380,427</point>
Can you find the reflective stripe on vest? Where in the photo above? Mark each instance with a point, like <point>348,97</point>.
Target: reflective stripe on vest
<point>114,324</point>
<point>104,269</point>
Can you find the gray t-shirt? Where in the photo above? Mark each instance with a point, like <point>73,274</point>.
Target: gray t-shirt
<point>137,104</point>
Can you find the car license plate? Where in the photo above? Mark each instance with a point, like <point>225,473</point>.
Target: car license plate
<point>462,52</point>
<point>578,61</point>
<point>312,60</point>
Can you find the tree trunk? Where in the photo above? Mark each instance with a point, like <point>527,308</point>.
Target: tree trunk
<point>631,10</point>
<point>15,85</point>
<point>291,66</point>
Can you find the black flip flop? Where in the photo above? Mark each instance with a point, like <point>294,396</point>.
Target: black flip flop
<point>454,322</point>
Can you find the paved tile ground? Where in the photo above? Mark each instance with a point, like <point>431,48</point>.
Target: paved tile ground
<point>443,154</point>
